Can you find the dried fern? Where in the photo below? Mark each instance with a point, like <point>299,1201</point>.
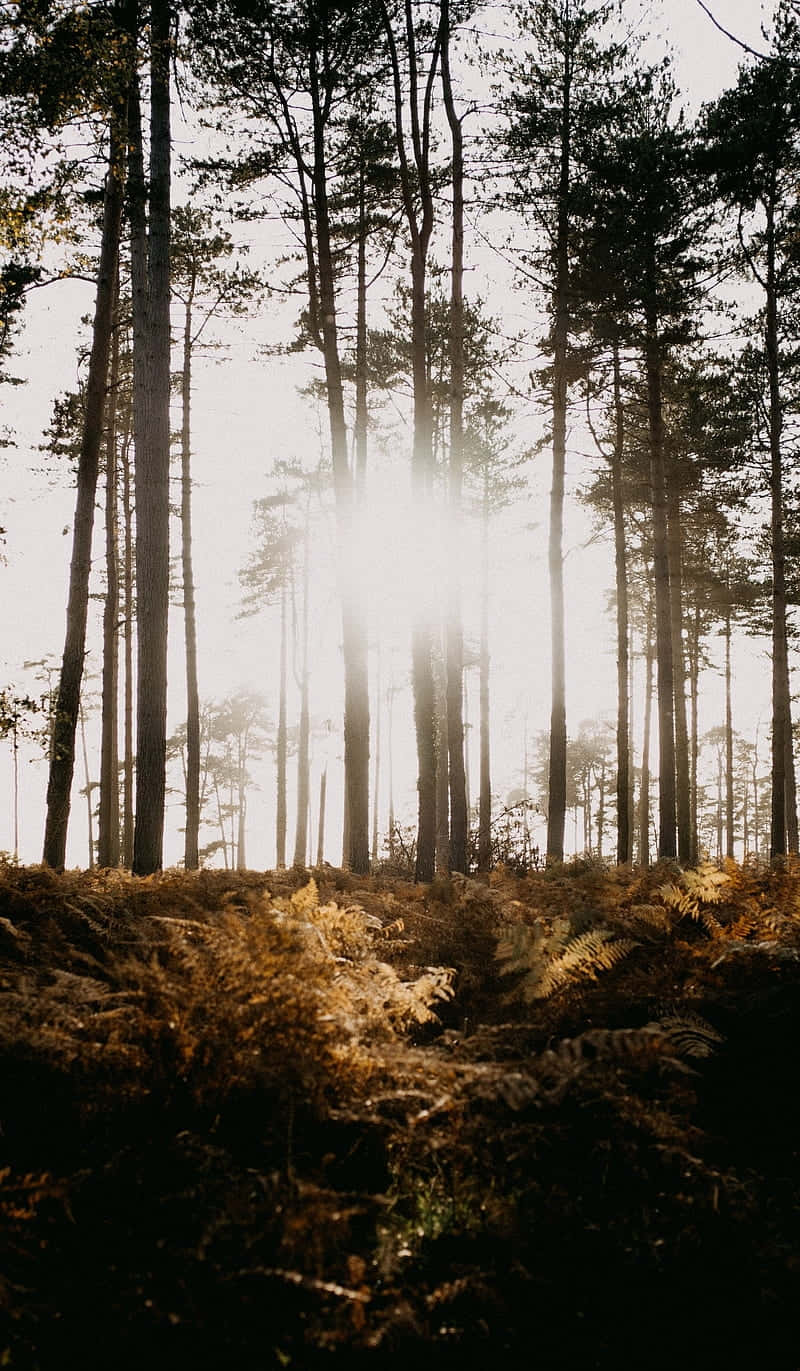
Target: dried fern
<point>547,969</point>
<point>689,1035</point>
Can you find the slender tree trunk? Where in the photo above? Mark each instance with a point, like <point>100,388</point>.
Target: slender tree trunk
<point>62,764</point>
<point>694,695</point>
<point>466,756</point>
<point>108,815</point>
<point>621,572</point>
<point>390,777</point>
<point>87,786</point>
<point>485,795</point>
<point>130,611</point>
<point>241,808</point>
<point>418,206</point>
<point>360,425</point>
<point>791,781</point>
<point>304,734</point>
<point>377,771</point>
<point>191,859</point>
<point>323,790</point>
<point>152,428</point>
<point>15,783</point>
<point>756,810</point>
<point>781,740</point>
<point>682,771</point>
<point>354,627</point>
<point>442,776</point>
<point>454,628</point>
<point>667,846</point>
<point>644,786</point>
<point>729,832</point>
<point>281,748</point>
<point>557,790</point>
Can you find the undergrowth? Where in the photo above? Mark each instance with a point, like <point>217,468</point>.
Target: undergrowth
<point>275,1121</point>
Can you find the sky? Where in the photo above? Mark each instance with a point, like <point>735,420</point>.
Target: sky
<point>246,413</point>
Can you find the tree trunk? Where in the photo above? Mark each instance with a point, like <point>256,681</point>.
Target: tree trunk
<point>281,745</point>
<point>241,807</point>
<point>361,415</point>
<point>87,790</point>
<point>791,782</point>
<point>62,764</point>
<point>304,733</point>
<point>377,771</point>
<point>683,805</point>
<point>557,789</point>
<point>354,627</point>
<point>151,303</point>
<point>323,790</point>
<point>621,572</point>
<point>130,610</point>
<point>694,695</point>
<point>418,206</point>
<point>191,859</point>
<point>729,833</point>
<point>485,793</point>
<point>390,777</point>
<point>442,770</point>
<point>108,815</point>
<point>454,628</point>
<point>644,785</point>
<point>781,740</point>
<point>667,846</point>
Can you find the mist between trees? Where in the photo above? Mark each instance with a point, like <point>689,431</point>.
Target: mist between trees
<point>530,300</point>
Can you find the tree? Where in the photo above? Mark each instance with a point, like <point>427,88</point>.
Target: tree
<point>150,238</point>
<point>291,71</point>
<point>413,131</point>
<point>558,88</point>
<point>648,233</point>
<point>206,290</point>
<point>454,627</point>
<point>754,133</point>
<point>68,703</point>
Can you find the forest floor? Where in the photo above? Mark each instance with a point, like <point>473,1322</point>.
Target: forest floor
<point>260,1120</point>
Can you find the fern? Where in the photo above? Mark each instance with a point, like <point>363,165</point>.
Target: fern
<point>689,1035</point>
<point>581,958</point>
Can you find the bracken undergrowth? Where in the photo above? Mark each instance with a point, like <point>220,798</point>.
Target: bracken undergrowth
<point>291,1120</point>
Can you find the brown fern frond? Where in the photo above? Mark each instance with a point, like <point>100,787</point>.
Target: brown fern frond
<point>688,1034</point>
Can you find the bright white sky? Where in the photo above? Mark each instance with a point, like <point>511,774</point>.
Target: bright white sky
<point>246,413</point>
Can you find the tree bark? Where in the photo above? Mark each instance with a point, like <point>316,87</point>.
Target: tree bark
<point>108,814</point>
<point>354,629</point>
<point>454,627</point>
<point>729,807</point>
<point>683,805</point>
<point>791,781</point>
<point>130,610</point>
<point>416,187</point>
<point>781,740</point>
<point>667,846</point>
<point>62,763</point>
<point>304,732</point>
<point>644,785</point>
<point>624,834</point>
<point>323,790</point>
<point>557,786</point>
<point>442,769</point>
<point>485,782</point>
<point>191,859</point>
<point>152,429</point>
<point>281,743</point>
<point>376,780</point>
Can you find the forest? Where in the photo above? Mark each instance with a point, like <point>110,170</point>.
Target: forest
<point>400,890</point>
